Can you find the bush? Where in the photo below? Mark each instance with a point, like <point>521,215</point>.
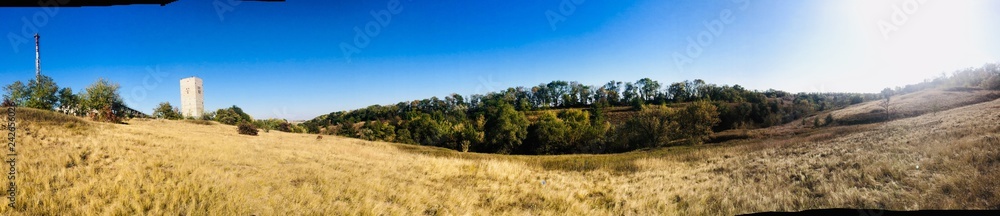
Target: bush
<point>107,114</point>
<point>7,103</point>
<point>247,128</point>
<point>166,111</point>
<point>232,116</point>
<point>829,120</point>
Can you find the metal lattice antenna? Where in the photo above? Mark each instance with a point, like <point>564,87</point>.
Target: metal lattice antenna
<point>38,59</point>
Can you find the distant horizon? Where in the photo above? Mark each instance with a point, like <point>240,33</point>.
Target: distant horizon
<point>296,60</point>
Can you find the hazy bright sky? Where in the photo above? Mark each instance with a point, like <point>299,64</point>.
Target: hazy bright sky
<point>285,59</point>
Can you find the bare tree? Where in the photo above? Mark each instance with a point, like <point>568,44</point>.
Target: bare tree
<point>886,94</point>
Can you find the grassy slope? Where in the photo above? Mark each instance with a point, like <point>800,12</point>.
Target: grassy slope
<point>69,166</point>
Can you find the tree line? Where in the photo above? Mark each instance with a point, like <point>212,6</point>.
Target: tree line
<point>100,101</point>
<point>551,118</point>
<point>568,117</point>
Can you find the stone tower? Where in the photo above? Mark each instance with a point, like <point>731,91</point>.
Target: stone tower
<point>192,97</point>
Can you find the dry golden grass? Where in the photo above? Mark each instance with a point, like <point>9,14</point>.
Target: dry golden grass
<point>160,167</point>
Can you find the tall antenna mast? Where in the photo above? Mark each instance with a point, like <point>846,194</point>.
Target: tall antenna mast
<point>38,59</point>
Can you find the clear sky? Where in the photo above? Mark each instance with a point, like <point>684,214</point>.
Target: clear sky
<point>287,60</point>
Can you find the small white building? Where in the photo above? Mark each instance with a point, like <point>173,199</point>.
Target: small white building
<point>192,97</point>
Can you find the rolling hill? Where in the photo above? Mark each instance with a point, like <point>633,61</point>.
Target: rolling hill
<point>942,153</point>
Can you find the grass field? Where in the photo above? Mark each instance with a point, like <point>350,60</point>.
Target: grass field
<point>67,166</point>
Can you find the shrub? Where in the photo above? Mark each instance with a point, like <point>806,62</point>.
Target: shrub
<point>232,116</point>
<point>247,128</point>
<point>7,103</point>
<point>107,114</point>
<point>638,104</point>
<point>829,120</point>
<point>166,111</point>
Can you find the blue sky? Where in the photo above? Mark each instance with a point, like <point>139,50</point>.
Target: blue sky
<point>286,60</point>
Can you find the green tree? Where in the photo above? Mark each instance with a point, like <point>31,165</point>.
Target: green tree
<point>548,134</point>
<point>472,134</point>
<point>577,123</point>
<point>652,127</point>
<point>425,130</point>
<point>232,116</point>
<point>17,92</point>
<point>697,120</point>
<point>43,93</point>
<point>506,128</point>
<point>613,92</point>
<point>347,129</point>
<point>631,93</point>
<point>102,96</point>
<point>678,91</point>
<point>403,136</point>
<point>69,103</point>
<point>648,88</point>
<point>378,130</point>
<point>166,111</point>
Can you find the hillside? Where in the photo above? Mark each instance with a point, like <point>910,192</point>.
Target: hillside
<point>944,160</point>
